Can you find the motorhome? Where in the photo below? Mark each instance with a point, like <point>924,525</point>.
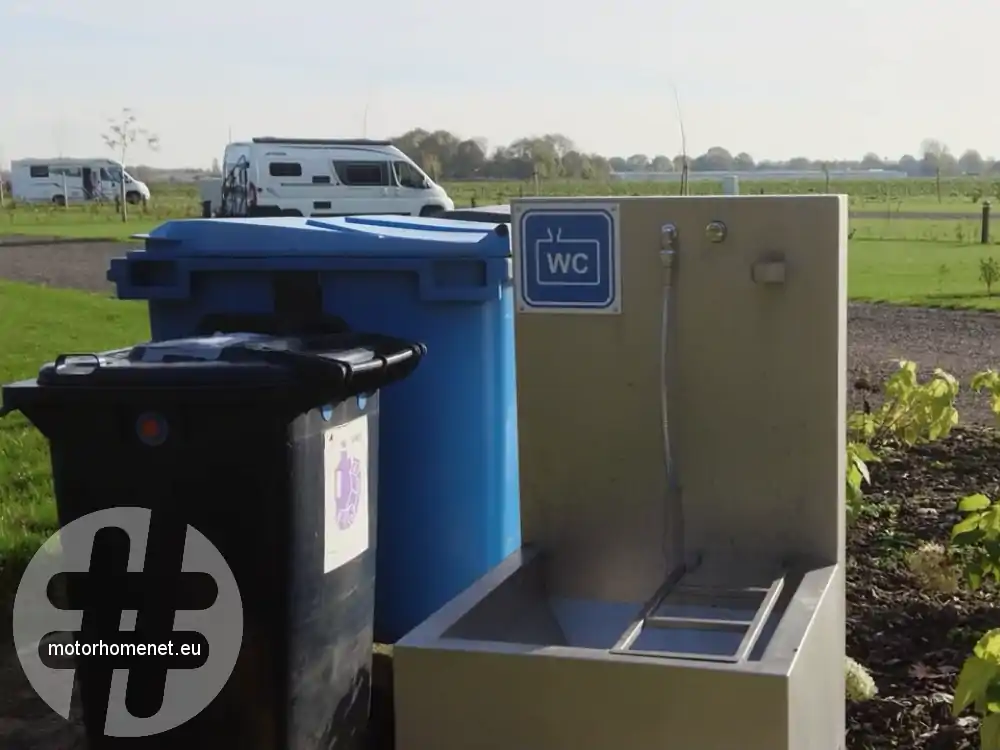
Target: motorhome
<point>63,181</point>
<point>312,177</point>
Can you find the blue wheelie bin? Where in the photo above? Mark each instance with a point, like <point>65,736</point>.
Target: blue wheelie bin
<point>448,449</point>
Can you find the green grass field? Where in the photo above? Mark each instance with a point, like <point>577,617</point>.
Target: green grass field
<point>923,262</point>
<point>928,274</point>
<point>40,323</point>
<point>175,201</point>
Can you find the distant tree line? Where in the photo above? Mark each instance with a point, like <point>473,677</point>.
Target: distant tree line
<point>445,156</point>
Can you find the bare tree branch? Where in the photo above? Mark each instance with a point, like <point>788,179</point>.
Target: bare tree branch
<point>122,134</point>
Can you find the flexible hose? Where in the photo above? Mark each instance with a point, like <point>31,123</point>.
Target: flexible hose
<point>673,537</point>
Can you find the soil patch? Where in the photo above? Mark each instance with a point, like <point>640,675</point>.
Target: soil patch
<point>914,641</point>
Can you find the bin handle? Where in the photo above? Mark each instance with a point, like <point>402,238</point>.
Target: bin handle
<point>305,365</point>
<point>63,359</point>
<point>315,365</point>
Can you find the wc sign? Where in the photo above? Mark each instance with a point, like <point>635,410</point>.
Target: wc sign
<point>567,258</point>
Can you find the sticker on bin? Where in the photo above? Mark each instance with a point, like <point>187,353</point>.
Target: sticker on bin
<point>345,458</point>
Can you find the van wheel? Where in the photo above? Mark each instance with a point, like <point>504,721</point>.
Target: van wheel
<point>431,210</point>
<point>132,197</point>
<point>59,200</point>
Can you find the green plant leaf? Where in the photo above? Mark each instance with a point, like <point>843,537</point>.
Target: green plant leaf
<point>991,704</point>
<point>973,503</point>
<point>947,377</point>
<point>968,538</point>
<point>862,469</point>
<point>966,525</point>
<point>988,647</point>
<point>987,379</point>
<point>862,451</point>
<point>975,677</point>
<point>974,577</point>
<point>989,521</point>
<point>989,732</point>
<point>992,549</point>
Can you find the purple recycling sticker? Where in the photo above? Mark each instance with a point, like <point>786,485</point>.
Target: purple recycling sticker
<point>347,484</point>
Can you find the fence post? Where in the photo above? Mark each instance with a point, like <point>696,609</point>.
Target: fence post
<point>984,234</point>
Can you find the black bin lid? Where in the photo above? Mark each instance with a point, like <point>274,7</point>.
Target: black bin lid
<point>335,366</point>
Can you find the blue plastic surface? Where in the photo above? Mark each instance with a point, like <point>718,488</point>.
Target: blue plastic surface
<point>448,492</point>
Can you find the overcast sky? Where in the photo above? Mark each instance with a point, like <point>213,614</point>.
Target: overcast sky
<point>776,78</point>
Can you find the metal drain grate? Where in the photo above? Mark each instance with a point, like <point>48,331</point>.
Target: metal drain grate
<point>699,622</point>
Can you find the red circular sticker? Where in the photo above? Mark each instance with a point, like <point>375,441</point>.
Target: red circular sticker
<point>151,429</point>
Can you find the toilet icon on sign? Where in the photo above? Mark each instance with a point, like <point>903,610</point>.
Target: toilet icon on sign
<point>567,262</point>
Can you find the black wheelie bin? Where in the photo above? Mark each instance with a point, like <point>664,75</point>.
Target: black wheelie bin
<point>230,487</point>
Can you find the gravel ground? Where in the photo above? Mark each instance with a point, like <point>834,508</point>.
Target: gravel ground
<point>958,341</point>
<point>70,265</point>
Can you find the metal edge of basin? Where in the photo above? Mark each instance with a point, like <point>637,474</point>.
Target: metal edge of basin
<point>449,690</point>
<point>789,621</point>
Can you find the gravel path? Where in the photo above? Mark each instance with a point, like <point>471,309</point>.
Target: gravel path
<point>961,342</point>
<point>958,341</point>
<point>70,265</point>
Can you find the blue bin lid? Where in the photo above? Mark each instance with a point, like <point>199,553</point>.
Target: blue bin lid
<point>341,236</point>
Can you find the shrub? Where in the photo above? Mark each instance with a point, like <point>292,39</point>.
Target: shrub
<point>912,412</point>
<point>859,684</point>
<point>933,569</point>
<point>978,537</point>
<point>979,686</point>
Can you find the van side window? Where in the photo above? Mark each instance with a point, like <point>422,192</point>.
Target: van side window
<point>39,171</point>
<point>408,176</point>
<point>284,169</point>
<point>363,173</point>
<point>65,172</point>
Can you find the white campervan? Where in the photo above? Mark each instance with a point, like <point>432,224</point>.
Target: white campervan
<point>306,177</point>
<point>63,181</point>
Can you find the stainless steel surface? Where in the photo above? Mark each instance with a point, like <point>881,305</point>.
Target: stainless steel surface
<point>758,457</point>
<point>505,665</point>
<point>629,636</point>
<point>705,625</point>
<point>624,622</point>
